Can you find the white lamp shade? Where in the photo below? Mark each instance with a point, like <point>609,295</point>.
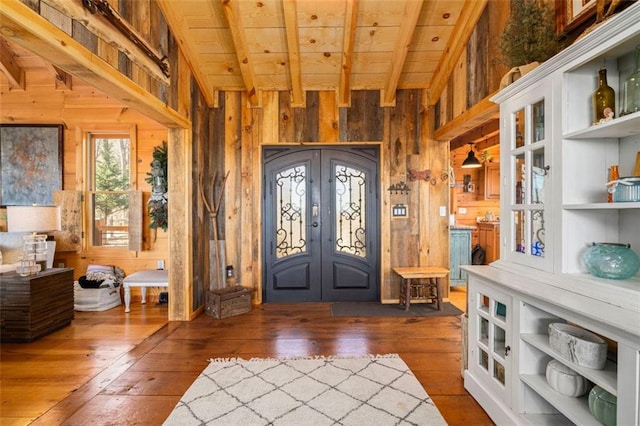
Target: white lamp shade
<point>33,218</point>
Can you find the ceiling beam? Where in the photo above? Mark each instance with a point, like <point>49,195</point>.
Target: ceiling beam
<point>106,31</point>
<point>409,20</point>
<point>293,46</point>
<point>239,38</point>
<point>348,37</point>
<point>24,27</point>
<point>477,115</point>
<point>187,46</point>
<point>484,131</point>
<point>471,12</point>
<point>10,68</point>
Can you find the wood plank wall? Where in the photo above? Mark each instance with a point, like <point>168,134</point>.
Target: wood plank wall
<point>479,69</point>
<point>402,132</point>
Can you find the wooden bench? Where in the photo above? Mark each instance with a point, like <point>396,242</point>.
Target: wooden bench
<point>144,279</point>
<point>421,283</point>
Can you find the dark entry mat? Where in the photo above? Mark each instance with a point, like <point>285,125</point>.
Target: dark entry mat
<point>375,309</point>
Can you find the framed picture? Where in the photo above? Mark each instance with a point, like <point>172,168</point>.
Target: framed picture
<point>30,163</point>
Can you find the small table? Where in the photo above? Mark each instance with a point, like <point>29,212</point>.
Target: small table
<point>433,276</point>
<point>143,279</point>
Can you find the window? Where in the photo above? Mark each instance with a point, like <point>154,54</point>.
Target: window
<point>108,184</point>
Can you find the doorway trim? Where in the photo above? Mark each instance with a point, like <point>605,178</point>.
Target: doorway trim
<point>383,198</point>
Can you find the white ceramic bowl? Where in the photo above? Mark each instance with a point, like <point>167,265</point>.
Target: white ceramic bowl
<point>578,345</point>
<point>564,380</point>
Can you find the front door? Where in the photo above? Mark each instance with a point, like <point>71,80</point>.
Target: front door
<point>321,226</point>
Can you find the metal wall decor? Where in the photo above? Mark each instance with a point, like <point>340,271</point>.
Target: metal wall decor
<point>104,8</point>
<point>399,188</point>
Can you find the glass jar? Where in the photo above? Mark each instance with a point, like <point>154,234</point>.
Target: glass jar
<point>631,93</point>
<point>604,100</point>
<point>611,260</point>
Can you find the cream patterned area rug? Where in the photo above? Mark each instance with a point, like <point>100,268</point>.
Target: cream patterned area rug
<point>374,390</point>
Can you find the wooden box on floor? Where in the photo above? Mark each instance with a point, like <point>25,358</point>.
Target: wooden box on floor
<point>228,302</point>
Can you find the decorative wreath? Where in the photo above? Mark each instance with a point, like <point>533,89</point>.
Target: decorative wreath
<point>157,178</point>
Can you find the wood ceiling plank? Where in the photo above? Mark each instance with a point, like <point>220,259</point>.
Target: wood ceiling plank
<point>348,37</point>
<point>234,18</point>
<point>410,17</point>
<point>293,46</point>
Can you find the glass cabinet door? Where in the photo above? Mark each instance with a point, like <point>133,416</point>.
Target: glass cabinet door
<point>527,139</point>
<point>489,347</point>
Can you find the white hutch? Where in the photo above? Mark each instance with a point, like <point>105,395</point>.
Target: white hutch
<point>554,167</point>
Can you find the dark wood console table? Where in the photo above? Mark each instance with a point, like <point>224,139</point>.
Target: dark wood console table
<point>35,305</point>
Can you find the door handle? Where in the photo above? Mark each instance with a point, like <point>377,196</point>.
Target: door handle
<point>314,224</point>
<point>314,210</point>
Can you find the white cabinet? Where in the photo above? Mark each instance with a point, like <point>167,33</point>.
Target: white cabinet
<point>509,350</point>
<point>554,168</point>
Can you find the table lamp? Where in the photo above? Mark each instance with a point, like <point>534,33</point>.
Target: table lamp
<point>38,220</point>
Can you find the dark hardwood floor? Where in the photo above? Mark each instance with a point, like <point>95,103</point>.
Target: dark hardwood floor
<point>111,368</point>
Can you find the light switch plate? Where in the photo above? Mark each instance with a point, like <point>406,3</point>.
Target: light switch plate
<point>443,211</point>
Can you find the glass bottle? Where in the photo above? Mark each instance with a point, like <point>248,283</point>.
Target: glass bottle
<point>631,97</point>
<point>604,99</point>
<point>614,174</point>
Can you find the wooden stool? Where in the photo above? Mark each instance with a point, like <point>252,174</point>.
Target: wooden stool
<point>431,288</point>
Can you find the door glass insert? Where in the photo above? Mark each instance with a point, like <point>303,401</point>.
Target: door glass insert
<point>483,359</point>
<point>518,228</point>
<point>519,179</point>
<point>498,372</point>
<point>291,218</point>
<point>538,174</point>
<point>538,121</point>
<point>350,205</point>
<point>537,233</point>
<point>519,128</point>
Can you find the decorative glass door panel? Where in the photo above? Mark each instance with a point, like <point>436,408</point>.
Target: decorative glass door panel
<point>351,196</point>
<point>291,211</point>
<point>489,336</point>
<point>529,139</point>
<point>318,207</point>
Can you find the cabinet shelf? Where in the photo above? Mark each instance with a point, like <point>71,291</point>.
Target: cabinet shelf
<point>605,378</point>
<point>575,409</point>
<point>601,206</point>
<point>620,127</point>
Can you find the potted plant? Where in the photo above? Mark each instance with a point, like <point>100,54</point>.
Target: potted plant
<point>529,36</point>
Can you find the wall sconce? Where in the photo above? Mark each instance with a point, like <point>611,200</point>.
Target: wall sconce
<point>471,162</point>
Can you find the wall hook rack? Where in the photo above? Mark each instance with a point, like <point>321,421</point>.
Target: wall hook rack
<point>399,187</point>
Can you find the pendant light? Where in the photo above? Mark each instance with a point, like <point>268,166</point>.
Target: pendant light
<point>471,162</point>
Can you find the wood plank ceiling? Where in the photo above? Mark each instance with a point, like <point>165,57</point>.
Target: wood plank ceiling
<point>305,45</point>
<point>309,45</point>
